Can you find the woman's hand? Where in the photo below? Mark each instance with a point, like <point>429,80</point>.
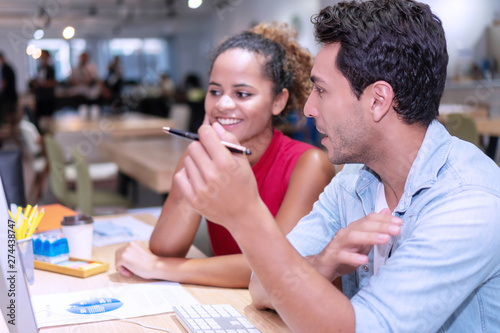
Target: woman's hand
<point>135,258</point>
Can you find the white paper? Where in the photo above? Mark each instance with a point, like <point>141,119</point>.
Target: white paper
<point>120,230</point>
<point>138,300</point>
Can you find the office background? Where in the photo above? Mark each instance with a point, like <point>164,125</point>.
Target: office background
<point>169,36</point>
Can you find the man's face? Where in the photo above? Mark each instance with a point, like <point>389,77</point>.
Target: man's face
<point>338,113</point>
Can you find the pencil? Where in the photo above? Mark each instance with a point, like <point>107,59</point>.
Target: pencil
<point>193,136</point>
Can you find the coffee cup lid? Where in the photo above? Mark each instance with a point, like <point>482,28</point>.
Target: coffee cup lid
<point>77,219</point>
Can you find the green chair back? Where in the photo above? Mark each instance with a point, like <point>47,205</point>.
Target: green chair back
<point>84,186</point>
<point>57,167</point>
<point>463,127</point>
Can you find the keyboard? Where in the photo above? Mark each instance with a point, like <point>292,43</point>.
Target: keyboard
<point>220,318</point>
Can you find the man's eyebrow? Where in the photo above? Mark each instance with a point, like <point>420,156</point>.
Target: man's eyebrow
<point>315,79</point>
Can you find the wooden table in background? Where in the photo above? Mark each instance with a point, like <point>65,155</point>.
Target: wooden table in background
<point>48,283</point>
<point>117,126</point>
<point>488,126</point>
<point>151,162</point>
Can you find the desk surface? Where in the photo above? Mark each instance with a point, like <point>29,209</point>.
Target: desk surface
<point>118,126</point>
<point>47,283</point>
<point>151,162</point>
<point>488,126</point>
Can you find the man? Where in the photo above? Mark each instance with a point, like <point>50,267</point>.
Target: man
<point>85,81</point>
<point>44,88</point>
<point>413,230</point>
<point>8,92</point>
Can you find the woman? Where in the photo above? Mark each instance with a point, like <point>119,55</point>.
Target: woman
<point>255,77</point>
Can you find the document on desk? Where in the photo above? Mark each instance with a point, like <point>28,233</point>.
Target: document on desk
<point>120,230</point>
<point>123,301</point>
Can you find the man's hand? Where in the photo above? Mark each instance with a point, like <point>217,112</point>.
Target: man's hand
<point>351,245</point>
<point>218,184</point>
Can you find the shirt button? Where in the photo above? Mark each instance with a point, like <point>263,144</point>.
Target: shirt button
<point>366,268</point>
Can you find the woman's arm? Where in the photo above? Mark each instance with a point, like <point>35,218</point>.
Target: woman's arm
<point>226,271</point>
<point>311,174</point>
<point>176,228</point>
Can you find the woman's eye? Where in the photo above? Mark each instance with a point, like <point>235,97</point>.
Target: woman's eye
<point>214,92</point>
<point>243,94</point>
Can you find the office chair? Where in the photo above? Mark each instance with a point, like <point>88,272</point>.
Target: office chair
<point>84,197</point>
<point>57,173</point>
<point>87,197</point>
<point>463,127</point>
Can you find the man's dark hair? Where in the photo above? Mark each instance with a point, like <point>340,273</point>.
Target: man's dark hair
<point>398,41</point>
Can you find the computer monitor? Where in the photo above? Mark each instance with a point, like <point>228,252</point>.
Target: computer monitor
<point>11,171</point>
<point>15,299</point>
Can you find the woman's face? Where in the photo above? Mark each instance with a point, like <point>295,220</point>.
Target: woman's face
<point>239,97</point>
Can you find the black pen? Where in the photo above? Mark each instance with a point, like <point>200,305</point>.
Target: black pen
<point>193,136</point>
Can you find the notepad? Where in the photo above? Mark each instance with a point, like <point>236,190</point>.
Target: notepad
<point>53,216</point>
<point>137,300</point>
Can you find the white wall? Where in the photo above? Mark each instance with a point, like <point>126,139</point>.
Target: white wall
<point>465,24</point>
<point>244,13</point>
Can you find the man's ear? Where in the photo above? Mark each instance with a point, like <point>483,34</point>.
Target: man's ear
<point>279,102</point>
<point>382,97</point>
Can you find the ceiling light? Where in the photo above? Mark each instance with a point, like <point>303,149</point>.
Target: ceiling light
<point>37,53</point>
<point>194,3</point>
<point>30,49</point>
<point>38,34</point>
<point>68,32</point>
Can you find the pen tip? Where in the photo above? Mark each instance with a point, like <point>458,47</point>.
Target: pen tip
<point>166,129</point>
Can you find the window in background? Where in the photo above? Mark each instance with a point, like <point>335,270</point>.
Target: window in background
<point>141,60</point>
<point>129,50</point>
<point>60,52</point>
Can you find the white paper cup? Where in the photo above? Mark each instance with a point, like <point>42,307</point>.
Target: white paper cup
<point>79,230</point>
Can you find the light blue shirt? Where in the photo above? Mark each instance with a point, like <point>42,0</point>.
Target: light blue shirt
<point>442,273</point>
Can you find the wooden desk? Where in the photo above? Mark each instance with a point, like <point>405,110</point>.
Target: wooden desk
<point>488,126</point>
<point>119,126</point>
<point>48,283</point>
<point>151,162</point>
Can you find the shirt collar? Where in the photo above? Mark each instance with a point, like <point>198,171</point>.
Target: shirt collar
<point>431,157</point>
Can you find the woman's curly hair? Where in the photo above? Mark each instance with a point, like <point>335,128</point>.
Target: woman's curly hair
<point>287,64</point>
